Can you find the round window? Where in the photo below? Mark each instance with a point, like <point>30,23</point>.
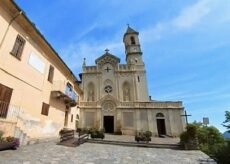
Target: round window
<point>108,89</point>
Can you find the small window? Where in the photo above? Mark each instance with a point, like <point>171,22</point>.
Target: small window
<point>132,40</point>
<point>71,117</point>
<point>18,47</point>
<point>51,74</point>
<point>45,109</point>
<point>138,78</point>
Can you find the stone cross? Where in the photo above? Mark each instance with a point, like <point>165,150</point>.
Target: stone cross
<point>107,69</point>
<point>107,50</point>
<point>186,116</point>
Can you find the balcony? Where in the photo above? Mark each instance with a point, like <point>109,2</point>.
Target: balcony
<point>64,91</point>
<point>8,111</point>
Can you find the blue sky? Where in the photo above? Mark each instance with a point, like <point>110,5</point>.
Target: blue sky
<point>185,44</point>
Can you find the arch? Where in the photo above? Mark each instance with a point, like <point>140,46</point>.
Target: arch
<point>91,92</point>
<point>132,39</point>
<point>126,91</point>
<point>159,115</point>
<point>108,106</point>
<point>108,82</point>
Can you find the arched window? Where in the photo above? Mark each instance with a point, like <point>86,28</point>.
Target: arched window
<point>132,39</point>
<point>126,92</point>
<point>159,115</point>
<point>91,92</point>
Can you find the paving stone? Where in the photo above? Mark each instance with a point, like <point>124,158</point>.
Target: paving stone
<point>90,153</point>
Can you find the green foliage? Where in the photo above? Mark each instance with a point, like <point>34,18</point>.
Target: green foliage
<point>226,123</point>
<point>143,136</point>
<point>94,133</point>
<point>192,131</point>
<point>222,156</point>
<point>184,138</point>
<point>210,141</point>
<point>209,135</point>
<point>190,134</point>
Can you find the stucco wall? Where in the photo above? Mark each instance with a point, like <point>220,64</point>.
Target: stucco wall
<point>30,86</point>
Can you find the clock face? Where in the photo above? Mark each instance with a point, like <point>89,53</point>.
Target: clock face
<point>134,49</point>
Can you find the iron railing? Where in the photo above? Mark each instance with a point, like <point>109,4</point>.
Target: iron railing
<point>9,111</point>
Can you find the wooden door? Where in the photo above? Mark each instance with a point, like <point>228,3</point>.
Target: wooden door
<point>5,96</point>
<point>161,127</point>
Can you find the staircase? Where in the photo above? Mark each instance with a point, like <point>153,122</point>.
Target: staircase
<point>137,144</point>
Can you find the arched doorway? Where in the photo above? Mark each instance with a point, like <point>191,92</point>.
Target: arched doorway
<point>160,124</point>
<point>108,109</point>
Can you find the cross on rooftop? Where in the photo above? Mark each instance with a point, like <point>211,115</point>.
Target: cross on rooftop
<point>107,50</point>
<point>186,116</point>
<point>107,69</point>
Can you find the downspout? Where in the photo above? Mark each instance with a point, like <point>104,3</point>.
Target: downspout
<point>11,21</point>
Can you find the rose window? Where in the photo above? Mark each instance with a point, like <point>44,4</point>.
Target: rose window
<point>108,89</point>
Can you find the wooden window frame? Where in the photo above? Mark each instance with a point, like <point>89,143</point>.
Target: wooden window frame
<point>18,47</point>
<point>45,109</point>
<point>51,74</point>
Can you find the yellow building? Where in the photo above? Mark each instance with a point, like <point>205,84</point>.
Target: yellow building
<point>38,92</point>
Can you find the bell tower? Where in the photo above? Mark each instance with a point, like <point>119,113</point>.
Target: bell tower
<point>134,59</point>
<point>132,47</point>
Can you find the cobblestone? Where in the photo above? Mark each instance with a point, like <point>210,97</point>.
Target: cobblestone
<point>88,153</point>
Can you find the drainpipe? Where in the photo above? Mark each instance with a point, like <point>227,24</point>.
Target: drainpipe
<point>11,21</point>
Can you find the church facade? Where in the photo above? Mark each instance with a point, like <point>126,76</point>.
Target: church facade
<point>115,96</point>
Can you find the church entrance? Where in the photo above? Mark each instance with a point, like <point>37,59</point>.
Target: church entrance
<point>161,124</point>
<point>161,127</point>
<point>109,124</point>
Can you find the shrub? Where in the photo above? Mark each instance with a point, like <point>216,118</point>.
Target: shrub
<point>143,136</point>
<point>192,131</point>
<point>97,133</point>
<point>222,156</point>
<point>184,137</point>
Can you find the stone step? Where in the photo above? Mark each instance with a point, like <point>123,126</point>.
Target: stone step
<point>137,144</point>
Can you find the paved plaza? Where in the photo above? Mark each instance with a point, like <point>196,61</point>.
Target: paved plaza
<point>88,153</point>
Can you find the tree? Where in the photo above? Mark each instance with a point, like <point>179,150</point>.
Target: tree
<point>226,123</point>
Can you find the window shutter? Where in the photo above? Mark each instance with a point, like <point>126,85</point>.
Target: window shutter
<point>51,74</point>
<point>45,109</point>
<point>5,97</point>
<point>18,47</point>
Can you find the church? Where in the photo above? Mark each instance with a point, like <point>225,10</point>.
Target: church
<point>115,96</point>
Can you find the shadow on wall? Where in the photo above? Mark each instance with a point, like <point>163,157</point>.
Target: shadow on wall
<point>57,103</point>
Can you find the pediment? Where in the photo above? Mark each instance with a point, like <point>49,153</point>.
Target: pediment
<point>108,98</point>
<point>107,58</point>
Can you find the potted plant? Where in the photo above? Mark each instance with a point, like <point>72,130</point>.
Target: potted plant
<point>8,142</point>
<point>97,133</point>
<point>143,136</point>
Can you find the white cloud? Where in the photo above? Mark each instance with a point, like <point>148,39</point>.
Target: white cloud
<point>192,15</point>
<point>209,12</point>
<point>75,53</point>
